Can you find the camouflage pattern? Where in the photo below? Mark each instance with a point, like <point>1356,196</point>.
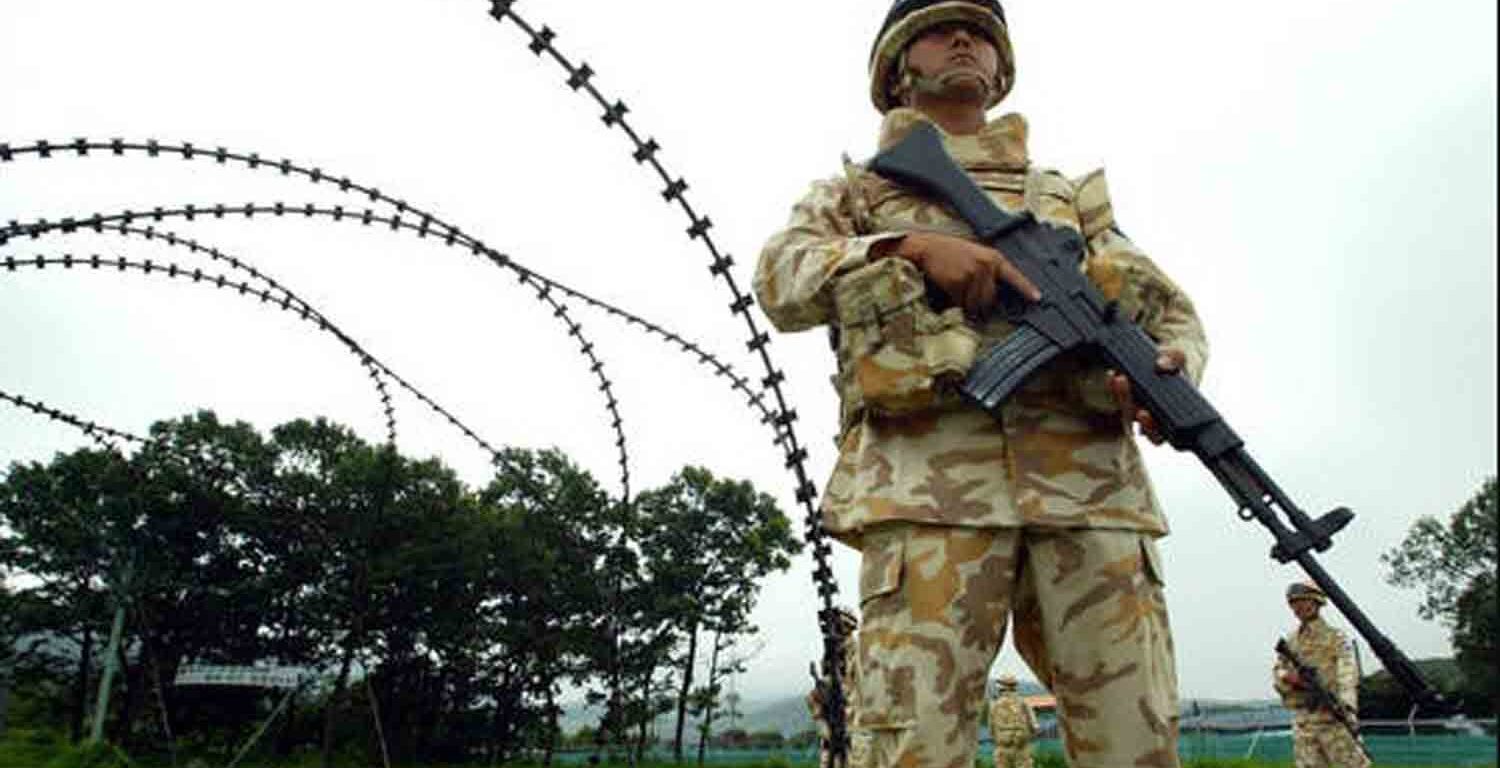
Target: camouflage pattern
<point>1060,455</point>
<point>1012,726</point>
<point>965,520</point>
<point>886,56</point>
<point>1090,622</point>
<point>901,357</point>
<point>1325,746</point>
<point>1319,739</point>
<point>859,739</point>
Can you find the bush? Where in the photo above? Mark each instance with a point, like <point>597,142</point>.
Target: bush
<point>23,748</point>
<point>91,755</point>
<point>1050,760</point>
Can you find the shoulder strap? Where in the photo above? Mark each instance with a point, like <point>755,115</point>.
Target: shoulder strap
<point>1095,212</point>
<point>858,204</point>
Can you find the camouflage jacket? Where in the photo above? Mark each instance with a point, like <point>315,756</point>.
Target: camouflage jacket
<point>909,449</point>
<point>1325,648</point>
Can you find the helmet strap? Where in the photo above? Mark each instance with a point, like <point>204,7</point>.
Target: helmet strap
<point>910,82</point>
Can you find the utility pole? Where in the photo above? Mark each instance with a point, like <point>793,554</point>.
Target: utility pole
<point>111,654</point>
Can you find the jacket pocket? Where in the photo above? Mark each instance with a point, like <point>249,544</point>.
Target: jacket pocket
<point>896,355</point>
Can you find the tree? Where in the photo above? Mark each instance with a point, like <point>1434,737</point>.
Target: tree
<point>68,522</point>
<point>550,607</point>
<point>1455,565</point>
<point>1382,698</point>
<point>709,543</point>
<point>10,635</point>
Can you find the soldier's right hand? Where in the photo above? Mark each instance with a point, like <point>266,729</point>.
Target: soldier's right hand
<point>966,271</point>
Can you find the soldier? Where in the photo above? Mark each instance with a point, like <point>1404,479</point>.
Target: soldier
<point>963,520</point>
<point>1320,737</point>
<point>1012,726</point>
<point>846,625</point>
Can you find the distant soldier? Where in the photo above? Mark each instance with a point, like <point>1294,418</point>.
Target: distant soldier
<point>1012,726</point>
<point>859,741</point>
<point>1322,735</point>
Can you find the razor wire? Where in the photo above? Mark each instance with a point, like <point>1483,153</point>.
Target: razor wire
<point>197,276</point>
<point>105,437</point>
<point>580,78</point>
<point>451,238</point>
<point>422,223</point>
<point>102,435</point>
<point>544,286</point>
<point>780,419</point>
<point>287,300</point>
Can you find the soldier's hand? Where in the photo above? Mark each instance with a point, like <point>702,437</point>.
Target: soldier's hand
<point>969,273</point>
<point>1167,361</point>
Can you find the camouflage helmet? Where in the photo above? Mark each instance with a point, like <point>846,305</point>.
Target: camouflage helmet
<point>907,19</point>
<point>1007,682</point>
<point>1305,591</point>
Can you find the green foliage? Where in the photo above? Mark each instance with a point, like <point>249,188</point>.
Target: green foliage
<point>91,755</point>
<point>24,748</point>
<point>464,611</point>
<point>1454,564</point>
<point>1381,697</point>
<point>1049,760</point>
<point>708,543</point>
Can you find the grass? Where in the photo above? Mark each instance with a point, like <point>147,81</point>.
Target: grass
<point>36,749</point>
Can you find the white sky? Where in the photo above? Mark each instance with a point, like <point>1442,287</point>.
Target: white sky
<point>1318,174</point>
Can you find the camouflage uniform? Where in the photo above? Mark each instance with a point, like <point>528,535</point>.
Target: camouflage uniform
<point>1318,739</point>
<point>1012,726</point>
<point>964,520</point>
<point>859,739</point>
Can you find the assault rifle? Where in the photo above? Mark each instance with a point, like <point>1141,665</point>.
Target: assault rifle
<point>1310,681</point>
<point>1072,316</point>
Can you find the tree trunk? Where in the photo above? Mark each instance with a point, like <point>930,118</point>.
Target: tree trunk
<point>6,670</point>
<point>153,662</point>
<point>81,693</point>
<point>331,708</point>
<point>134,680</point>
<point>648,713</point>
<point>552,727</point>
<point>708,708</point>
<point>686,688</point>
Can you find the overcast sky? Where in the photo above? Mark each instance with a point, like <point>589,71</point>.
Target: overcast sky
<point>1318,174</point>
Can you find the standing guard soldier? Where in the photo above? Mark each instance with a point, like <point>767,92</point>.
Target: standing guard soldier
<point>1012,726</point>
<point>963,520</point>
<point>846,625</point>
<point>1321,738</point>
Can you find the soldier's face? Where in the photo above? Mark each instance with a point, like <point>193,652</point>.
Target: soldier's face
<point>1304,609</point>
<point>955,52</point>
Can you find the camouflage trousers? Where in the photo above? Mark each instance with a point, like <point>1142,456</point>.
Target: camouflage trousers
<point>1090,621</point>
<point>859,749</point>
<point>1012,750</point>
<point>1325,745</point>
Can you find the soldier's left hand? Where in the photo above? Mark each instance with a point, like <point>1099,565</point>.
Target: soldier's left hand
<point>1168,361</point>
